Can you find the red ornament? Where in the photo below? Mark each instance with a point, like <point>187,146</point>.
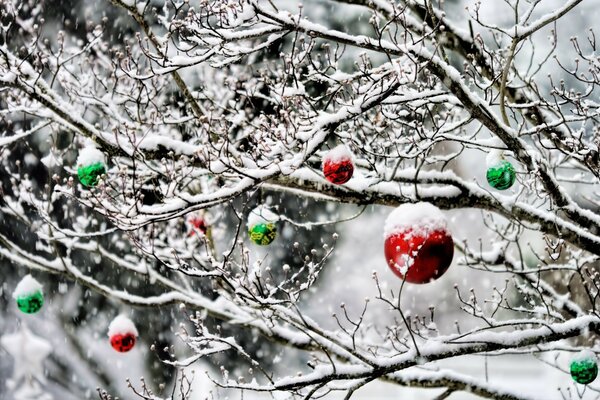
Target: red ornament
<point>122,334</point>
<point>337,165</point>
<point>418,247</point>
<point>122,343</point>
<point>197,223</point>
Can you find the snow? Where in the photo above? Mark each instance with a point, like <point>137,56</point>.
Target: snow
<point>291,91</point>
<point>29,352</point>
<point>494,158</point>
<point>51,160</point>
<point>262,215</point>
<point>236,19</point>
<point>122,325</point>
<point>8,77</point>
<point>584,355</point>
<point>90,155</point>
<point>338,153</point>
<point>423,216</point>
<point>27,286</point>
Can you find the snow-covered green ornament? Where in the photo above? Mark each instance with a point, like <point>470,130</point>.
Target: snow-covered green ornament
<point>91,165</point>
<point>262,225</point>
<point>500,174</point>
<point>584,367</point>
<point>28,295</point>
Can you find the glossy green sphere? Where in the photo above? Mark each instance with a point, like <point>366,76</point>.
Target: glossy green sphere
<point>31,303</point>
<point>584,370</point>
<point>263,234</point>
<point>501,176</point>
<point>90,174</point>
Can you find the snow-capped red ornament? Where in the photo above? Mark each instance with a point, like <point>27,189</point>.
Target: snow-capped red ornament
<point>418,246</point>
<point>584,367</point>
<point>197,223</point>
<point>28,295</point>
<point>500,173</point>
<point>122,333</point>
<point>338,166</point>
<point>262,225</point>
<point>91,164</point>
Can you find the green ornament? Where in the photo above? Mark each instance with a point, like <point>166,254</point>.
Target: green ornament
<point>89,174</point>
<point>502,175</point>
<point>263,233</point>
<point>30,303</point>
<point>584,368</point>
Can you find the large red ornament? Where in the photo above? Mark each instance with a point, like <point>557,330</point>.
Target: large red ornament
<point>418,246</point>
<point>338,166</point>
<point>122,334</point>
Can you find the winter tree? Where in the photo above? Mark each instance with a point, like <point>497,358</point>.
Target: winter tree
<point>191,166</point>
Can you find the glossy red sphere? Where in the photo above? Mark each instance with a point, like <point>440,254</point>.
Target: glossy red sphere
<point>427,256</point>
<point>197,223</point>
<point>122,343</point>
<point>339,171</point>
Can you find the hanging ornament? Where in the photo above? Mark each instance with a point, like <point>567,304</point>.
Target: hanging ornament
<point>262,225</point>
<point>28,295</point>
<point>584,367</point>
<point>338,166</point>
<point>122,333</point>
<point>91,165</point>
<point>418,246</point>
<point>500,174</point>
<point>197,223</point>
<point>29,352</point>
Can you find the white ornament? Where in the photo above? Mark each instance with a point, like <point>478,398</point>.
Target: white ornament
<point>29,352</point>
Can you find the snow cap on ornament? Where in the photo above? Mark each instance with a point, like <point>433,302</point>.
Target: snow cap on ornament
<point>584,367</point>
<point>262,225</point>
<point>500,173</point>
<point>28,295</point>
<point>418,246</point>
<point>338,166</point>
<point>91,164</point>
<point>122,333</point>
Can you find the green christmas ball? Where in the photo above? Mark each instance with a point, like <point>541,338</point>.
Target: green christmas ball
<point>502,175</point>
<point>28,295</point>
<point>90,174</point>
<point>584,367</point>
<point>31,303</point>
<point>263,234</point>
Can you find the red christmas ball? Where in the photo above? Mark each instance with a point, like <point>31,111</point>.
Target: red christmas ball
<point>197,223</point>
<point>122,334</point>
<point>122,343</point>
<point>418,246</point>
<point>338,166</point>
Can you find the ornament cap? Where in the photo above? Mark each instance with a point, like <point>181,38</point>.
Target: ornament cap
<point>262,215</point>
<point>27,287</point>
<point>122,325</point>
<point>90,155</point>
<point>422,216</point>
